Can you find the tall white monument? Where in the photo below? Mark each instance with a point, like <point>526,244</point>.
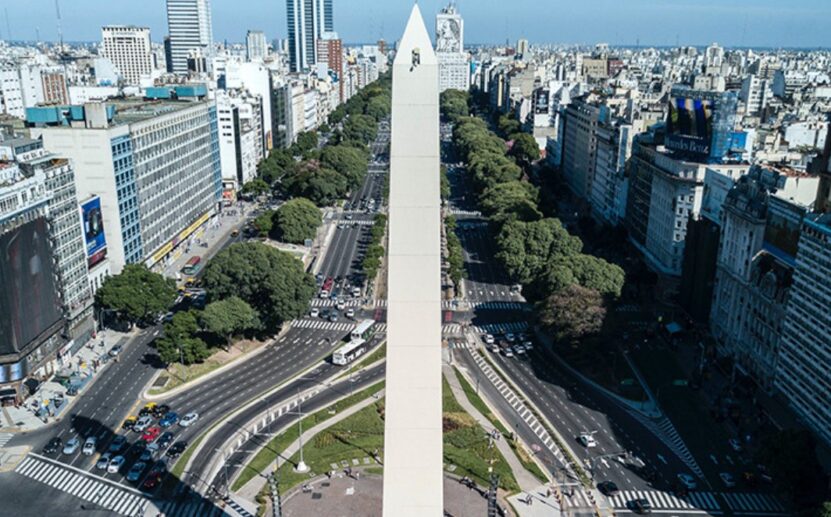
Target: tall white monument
<point>413,414</point>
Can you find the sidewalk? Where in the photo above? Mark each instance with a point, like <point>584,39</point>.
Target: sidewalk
<point>250,490</point>
<point>50,401</point>
<point>524,478</point>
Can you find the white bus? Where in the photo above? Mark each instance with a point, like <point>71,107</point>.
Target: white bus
<point>363,330</point>
<point>349,352</point>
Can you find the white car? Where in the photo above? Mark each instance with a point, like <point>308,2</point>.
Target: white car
<point>528,345</point>
<point>519,350</point>
<point>356,291</point>
<point>350,313</point>
<point>688,481</point>
<point>341,305</point>
<point>103,461</point>
<point>89,446</point>
<point>71,446</point>
<point>189,419</point>
<point>510,338</point>
<point>508,352</point>
<point>728,479</point>
<point>587,440</point>
<point>488,338</point>
<point>143,423</point>
<point>115,464</point>
<point>315,312</point>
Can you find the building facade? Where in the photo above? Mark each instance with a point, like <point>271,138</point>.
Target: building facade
<point>129,50</point>
<point>307,21</point>
<point>256,48</point>
<point>454,62</point>
<point>190,32</point>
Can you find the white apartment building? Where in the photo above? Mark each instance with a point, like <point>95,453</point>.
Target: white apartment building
<point>256,48</point>
<point>755,93</point>
<point>129,50</point>
<point>239,117</point>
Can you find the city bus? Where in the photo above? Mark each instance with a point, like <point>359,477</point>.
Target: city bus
<point>349,352</point>
<point>363,330</point>
<point>192,266</point>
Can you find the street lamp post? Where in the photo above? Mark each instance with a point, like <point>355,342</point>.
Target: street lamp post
<point>301,466</point>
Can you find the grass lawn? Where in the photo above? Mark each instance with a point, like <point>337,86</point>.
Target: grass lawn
<point>361,434</point>
<point>483,408</point>
<point>178,374</point>
<point>279,443</point>
<point>684,407</point>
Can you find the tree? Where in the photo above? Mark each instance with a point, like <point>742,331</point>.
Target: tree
<point>525,148</point>
<point>525,248</point>
<point>324,128</point>
<point>362,128</point>
<point>271,281</point>
<point>454,104</point>
<point>228,317</point>
<point>597,274</point>
<point>517,199</point>
<point>350,162</point>
<point>273,167</point>
<point>296,220</point>
<point>255,187</point>
<point>573,313</point>
<point>264,223</point>
<point>508,125</point>
<point>136,294</point>
<point>180,343</point>
<point>444,183</point>
<point>319,184</point>
<point>306,141</point>
<point>378,107</point>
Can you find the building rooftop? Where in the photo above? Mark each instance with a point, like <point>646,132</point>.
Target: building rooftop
<point>135,109</point>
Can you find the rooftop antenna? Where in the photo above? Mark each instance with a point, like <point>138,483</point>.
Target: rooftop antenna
<point>60,30</point>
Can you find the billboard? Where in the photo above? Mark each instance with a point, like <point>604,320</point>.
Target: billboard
<point>29,301</point>
<point>690,125</point>
<point>94,231</point>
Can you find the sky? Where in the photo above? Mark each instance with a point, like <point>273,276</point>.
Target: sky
<point>758,23</point>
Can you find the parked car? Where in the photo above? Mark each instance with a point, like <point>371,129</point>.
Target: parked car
<point>135,471</point>
<point>189,419</point>
<point>89,446</point>
<point>169,419</point>
<point>115,464</point>
<point>71,446</point>
<point>53,446</point>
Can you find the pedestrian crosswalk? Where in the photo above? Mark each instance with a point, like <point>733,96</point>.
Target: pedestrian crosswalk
<point>503,306</point>
<point>192,506</point>
<point>501,328</point>
<point>113,497</point>
<point>745,502</point>
<point>329,302</point>
<point>321,324</point>
<point>361,222</point>
<point>739,503</point>
<point>467,213</point>
<point>666,432</point>
<point>705,501</point>
<point>4,439</point>
<point>445,304</point>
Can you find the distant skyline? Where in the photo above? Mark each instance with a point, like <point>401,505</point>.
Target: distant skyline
<point>732,23</point>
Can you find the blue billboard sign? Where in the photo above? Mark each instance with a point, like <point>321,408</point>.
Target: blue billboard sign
<point>94,230</point>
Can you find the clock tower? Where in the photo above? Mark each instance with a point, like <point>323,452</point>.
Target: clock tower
<point>454,68</point>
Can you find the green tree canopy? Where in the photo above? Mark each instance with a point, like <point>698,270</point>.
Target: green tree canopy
<point>306,141</point>
<point>350,162</point>
<point>525,148</point>
<point>508,125</point>
<point>136,294</point>
<point>516,199</point>
<point>597,274</point>
<point>362,128</point>
<point>255,187</point>
<point>444,183</point>
<point>228,317</point>
<point>378,107</point>
<point>573,313</point>
<point>179,342</point>
<point>272,281</point>
<point>319,184</point>
<point>525,248</point>
<point>296,220</point>
<point>454,104</point>
<point>264,223</point>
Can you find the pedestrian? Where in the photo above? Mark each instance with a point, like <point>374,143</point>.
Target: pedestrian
<point>548,493</point>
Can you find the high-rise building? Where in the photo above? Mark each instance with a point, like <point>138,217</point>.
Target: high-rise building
<point>129,50</point>
<point>307,21</point>
<point>802,373</point>
<point>522,47</point>
<point>256,47</point>
<point>454,62</point>
<point>330,54</point>
<point>154,163</point>
<point>189,29</point>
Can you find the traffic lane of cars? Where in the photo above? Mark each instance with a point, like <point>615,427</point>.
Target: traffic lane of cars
<point>607,418</point>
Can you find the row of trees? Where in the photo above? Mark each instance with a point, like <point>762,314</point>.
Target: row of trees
<point>537,252</point>
<point>375,249</point>
<point>455,259</point>
<point>295,221</point>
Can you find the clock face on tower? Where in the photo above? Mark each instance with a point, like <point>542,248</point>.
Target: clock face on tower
<point>448,36</point>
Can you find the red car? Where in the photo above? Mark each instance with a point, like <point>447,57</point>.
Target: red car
<point>152,481</point>
<point>151,434</point>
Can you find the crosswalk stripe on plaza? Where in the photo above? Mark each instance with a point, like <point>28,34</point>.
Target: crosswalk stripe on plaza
<point>115,498</point>
<point>742,502</point>
<point>4,439</point>
<point>320,324</point>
